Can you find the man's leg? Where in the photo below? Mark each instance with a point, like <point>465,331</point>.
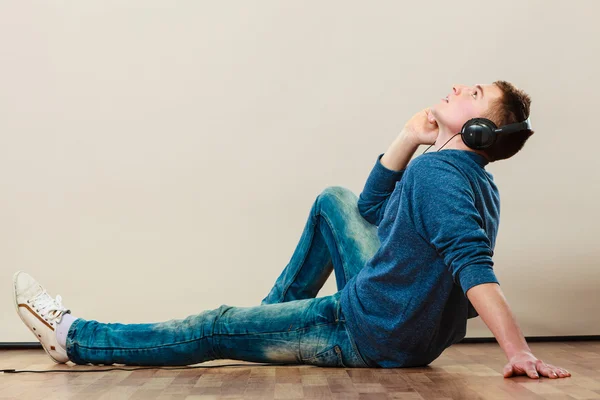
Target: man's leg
<point>335,237</point>
<point>310,331</point>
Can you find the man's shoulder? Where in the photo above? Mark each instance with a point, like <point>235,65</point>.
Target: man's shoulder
<point>433,164</point>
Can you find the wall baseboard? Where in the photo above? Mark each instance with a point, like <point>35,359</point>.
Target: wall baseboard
<point>37,345</point>
<point>19,345</point>
<point>537,339</point>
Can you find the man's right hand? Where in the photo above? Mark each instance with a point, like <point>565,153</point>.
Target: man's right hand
<point>422,128</point>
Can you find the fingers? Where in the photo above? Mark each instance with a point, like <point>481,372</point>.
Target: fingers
<point>552,371</point>
<point>532,373</point>
<point>532,367</point>
<point>557,371</point>
<point>531,370</point>
<point>430,117</point>
<point>508,371</point>
<point>547,371</point>
<point>564,372</point>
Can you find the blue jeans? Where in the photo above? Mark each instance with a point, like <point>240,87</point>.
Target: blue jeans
<point>290,325</point>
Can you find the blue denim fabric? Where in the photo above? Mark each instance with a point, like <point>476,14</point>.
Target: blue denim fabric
<point>290,325</point>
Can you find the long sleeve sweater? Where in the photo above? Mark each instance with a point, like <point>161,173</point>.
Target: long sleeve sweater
<point>437,223</point>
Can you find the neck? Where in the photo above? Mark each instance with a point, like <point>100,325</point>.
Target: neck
<point>447,140</point>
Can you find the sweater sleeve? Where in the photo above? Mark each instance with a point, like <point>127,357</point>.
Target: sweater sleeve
<point>377,190</point>
<point>442,205</point>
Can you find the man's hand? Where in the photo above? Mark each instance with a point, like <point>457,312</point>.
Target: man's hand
<point>422,128</point>
<point>526,363</point>
<point>493,308</point>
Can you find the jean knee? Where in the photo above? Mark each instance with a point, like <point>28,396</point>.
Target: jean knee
<point>339,194</point>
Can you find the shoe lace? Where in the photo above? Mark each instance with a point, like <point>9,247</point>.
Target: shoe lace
<point>50,309</point>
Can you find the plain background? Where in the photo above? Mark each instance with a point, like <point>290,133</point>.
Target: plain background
<point>160,158</point>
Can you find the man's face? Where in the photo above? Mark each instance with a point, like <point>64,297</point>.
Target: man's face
<point>464,103</point>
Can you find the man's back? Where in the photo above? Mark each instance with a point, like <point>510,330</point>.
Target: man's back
<point>438,221</point>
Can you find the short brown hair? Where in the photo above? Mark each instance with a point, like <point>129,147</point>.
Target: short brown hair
<point>512,107</point>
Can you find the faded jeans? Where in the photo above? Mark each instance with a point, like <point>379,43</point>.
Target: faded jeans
<point>290,325</point>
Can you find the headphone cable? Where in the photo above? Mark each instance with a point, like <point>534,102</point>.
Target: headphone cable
<point>442,146</point>
<point>18,371</point>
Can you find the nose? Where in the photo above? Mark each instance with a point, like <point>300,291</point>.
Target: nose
<point>456,89</point>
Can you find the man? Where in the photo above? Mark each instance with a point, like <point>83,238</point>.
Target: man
<point>412,261</point>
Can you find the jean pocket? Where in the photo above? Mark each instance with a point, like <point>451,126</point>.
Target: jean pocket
<point>332,357</point>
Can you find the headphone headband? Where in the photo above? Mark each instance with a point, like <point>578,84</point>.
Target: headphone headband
<point>519,126</point>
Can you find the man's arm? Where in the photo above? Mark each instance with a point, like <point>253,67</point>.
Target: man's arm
<point>441,206</point>
<point>400,152</point>
<point>389,169</point>
<point>490,303</point>
<point>493,308</point>
<point>390,166</point>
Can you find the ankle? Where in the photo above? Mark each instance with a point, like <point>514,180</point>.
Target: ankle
<point>62,329</point>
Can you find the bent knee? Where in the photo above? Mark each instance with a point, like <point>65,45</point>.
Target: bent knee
<point>339,194</point>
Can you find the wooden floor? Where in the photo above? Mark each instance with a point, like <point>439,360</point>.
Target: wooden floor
<point>463,371</point>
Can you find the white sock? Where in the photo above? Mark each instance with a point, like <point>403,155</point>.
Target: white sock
<point>62,328</point>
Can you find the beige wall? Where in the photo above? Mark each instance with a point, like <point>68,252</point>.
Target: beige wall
<point>159,159</point>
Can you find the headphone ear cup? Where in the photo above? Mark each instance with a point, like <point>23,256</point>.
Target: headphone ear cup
<point>478,133</point>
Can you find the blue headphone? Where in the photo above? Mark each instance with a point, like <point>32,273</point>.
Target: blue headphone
<point>481,133</point>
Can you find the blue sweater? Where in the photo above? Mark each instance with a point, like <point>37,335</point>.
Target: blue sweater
<point>437,223</point>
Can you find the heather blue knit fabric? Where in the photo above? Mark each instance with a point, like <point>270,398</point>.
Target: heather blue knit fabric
<point>437,223</point>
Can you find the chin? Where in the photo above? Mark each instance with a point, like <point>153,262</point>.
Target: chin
<point>434,111</point>
<point>439,117</point>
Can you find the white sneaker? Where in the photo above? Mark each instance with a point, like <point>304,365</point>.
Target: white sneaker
<point>40,313</point>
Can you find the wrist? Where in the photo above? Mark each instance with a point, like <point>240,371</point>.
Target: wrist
<point>409,138</point>
<point>510,353</point>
